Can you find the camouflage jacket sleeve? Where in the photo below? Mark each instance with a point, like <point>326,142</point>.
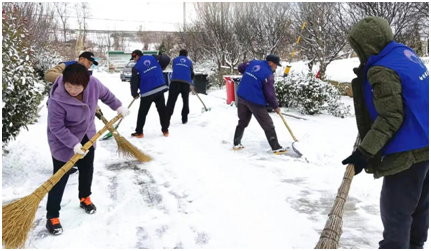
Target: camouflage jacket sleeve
<point>388,100</point>
<point>52,74</point>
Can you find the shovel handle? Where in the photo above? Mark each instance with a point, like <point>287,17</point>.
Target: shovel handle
<point>194,92</point>
<point>288,128</point>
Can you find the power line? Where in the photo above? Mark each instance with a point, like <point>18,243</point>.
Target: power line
<point>108,19</point>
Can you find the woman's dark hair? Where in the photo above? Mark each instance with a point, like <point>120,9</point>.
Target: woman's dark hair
<point>76,74</point>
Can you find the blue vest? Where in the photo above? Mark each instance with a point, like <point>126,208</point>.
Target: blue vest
<point>414,131</point>
<point>151,74</point>
<point>251,86</point>
<point>181,69</point>
<point>74,62</point>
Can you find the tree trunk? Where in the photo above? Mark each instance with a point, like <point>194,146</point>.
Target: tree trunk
<point>323,66</point>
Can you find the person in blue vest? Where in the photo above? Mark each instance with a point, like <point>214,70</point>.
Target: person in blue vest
<point>181,82</point>
<point>391,99</point>
<point>86,59</point>
<point>147,76</point>
<point>255,91</point>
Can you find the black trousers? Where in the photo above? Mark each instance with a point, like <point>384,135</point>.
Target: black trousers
<point>245,110</point>
<point>85,167</point>
<point>175,89</point>
<point>159,100</point>
<point>404,208</point>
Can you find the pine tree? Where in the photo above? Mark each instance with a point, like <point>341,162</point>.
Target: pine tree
<point>21,92</point>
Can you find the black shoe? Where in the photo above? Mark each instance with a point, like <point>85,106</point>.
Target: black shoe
<point>184,121</point>
<point>87,205</point>
<point>73,170</point>
<point>53,226</point>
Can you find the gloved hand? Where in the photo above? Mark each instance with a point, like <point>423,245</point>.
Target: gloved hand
<point>358,159</point>
<point>78,150</point>
<point>192,87</point>
<point>123,111</point>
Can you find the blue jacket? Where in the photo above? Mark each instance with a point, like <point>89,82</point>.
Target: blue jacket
<point>414,131</point>
<point>257,83</point>
<point>148,73</point>
<point>182,70</point>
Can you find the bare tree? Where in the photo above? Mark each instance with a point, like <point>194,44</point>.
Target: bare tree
<point>191,40</point>
<point>400,15</point>
<point>265,28</point>
<point>423,12</point>
<point>83,12</point>
<point>230,33</point>
<point>214,32</point>
<point>63,13</point>
<point>39,21</point>
<point>322,39</point>
<point>211,18</point>
<point>408,20</point>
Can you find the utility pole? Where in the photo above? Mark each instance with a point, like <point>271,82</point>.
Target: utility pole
<point>184,15</point>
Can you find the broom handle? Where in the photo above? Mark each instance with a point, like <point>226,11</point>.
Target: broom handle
<point>193,90</point>
<point>131,103</point>
<point>288,128</point>
<point>49,184</point>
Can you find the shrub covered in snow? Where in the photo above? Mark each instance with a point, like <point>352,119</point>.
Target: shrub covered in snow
<point>310,95</point>
<point>43,60</point>
<point>21,92</point>
<point>208,67</point>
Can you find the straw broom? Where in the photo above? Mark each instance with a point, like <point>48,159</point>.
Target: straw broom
<point>124,146</point>
<point>330,236</point>
<point>18,216</point>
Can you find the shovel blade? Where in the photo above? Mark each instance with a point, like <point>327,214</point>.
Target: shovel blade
<point>109,134</point>
<point>207,110</point>
<point>295,149</point>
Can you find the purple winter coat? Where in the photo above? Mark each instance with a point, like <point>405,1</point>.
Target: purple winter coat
<point>69,119</point>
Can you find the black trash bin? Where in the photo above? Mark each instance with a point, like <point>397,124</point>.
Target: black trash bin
<point>236,80</point>
<point>200,81</point>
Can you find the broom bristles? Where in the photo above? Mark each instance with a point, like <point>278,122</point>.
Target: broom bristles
<point>16,224</point>
<point>125,147</point>
<point>18,216</point>
<point>330,236</point>
<point>128,149</point>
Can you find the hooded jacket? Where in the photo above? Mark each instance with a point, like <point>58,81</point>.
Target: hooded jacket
<point>369,38</point>
<point>69,119</point>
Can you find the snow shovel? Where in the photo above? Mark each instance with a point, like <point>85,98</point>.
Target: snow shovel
<point>293,136</point>
<point>204,108</point>
<point>109,134</point>
<point>18,216</point>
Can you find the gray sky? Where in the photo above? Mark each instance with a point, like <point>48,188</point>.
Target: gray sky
<point>119,15</point>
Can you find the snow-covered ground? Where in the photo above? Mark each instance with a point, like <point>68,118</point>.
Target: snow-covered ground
<point>197,192</point>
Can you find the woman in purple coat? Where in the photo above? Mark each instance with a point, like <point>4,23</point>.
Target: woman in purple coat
<point>71,110</point>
